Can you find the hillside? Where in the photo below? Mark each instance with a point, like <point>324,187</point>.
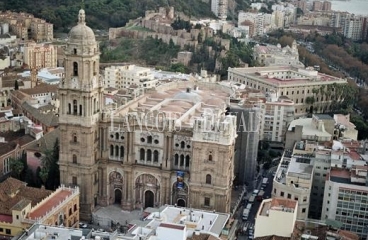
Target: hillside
<point>101,13</point>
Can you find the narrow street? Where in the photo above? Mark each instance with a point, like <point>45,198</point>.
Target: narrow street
<point>251,219</point>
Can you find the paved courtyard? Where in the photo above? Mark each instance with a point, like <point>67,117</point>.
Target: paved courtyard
<point>111,216</point>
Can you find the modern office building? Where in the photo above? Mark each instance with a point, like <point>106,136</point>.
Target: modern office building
<point>346,199</point>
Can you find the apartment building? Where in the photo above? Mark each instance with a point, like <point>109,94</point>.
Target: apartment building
<point>22,206</point>
<point>346,198</point>
<point>353,26</point>
<point>317,6</point>
<point>41,31</point>
<point>219,8</point>
<point>26,26</point>
<point>40,55</point>
<point>300,85</point>
<point>269,214</point>
<point>326,6</point>
<point>128,76</point>
<point>293,180</point>
<point>259,23</point>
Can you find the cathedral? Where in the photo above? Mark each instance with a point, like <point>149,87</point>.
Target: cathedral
<point>172,145</point>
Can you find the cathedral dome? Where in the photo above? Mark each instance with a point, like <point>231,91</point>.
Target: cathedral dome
<point>81,33</point>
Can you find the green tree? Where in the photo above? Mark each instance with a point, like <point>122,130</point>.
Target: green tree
<point>16,166</point>
<point>44,175</point>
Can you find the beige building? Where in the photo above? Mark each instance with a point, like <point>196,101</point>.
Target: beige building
<point>276,56</point>
<point>41,30</point>
<point>181,153</point>
<point>293,178</point>
<point>129,75</point>
<point>320,127</point>
<point>269,215</point>
<point>22,206</point>
<point>344,128</point>
<point>307,88</point>
<point>40,55</point>
<point>26,26</point>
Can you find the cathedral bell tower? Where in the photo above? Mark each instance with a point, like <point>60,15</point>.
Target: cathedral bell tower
<point>81,98</point>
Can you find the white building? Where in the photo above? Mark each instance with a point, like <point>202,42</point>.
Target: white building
<point>219,8</point>
<point>50,76</point>
<point>346,199</point>
<point>171,223</point>
<point>277,217</point>
<point>129,75</point>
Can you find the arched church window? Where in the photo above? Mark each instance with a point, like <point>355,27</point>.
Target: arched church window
<point>210,157</point>
<point>75,107</point>
<point>182,144</point>
<point>94,69</point>
<point>149,139</point>
<point>155,156</point>
<point>111,150</point>
<point>176,160</point>
<point>116,151</point>
<point>181,160</point>
<point>74,159</point>
<point>80,109</point>
<point>142,154</point>
<point>69,108</point>
<point>75,139</point>
<point>208,179</point>
<point>117,136</point>
<point>75,51</point>
<point>75,68</point>
<point>187,159</point>
<point>149,155</point>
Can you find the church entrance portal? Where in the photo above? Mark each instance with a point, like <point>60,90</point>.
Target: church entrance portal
<point>181,203</point>
<point>118,196</point>
<point>148,199</point>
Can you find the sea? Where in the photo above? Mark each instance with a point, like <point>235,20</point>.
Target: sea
<point>358,7</point>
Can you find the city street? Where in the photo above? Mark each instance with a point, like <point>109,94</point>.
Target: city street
<point>251,219</point>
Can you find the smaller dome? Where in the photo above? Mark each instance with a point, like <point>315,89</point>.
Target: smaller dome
<point>188,95</point>
<point>183,104</point>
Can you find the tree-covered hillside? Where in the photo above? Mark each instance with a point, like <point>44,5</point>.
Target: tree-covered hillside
<point>101,13</point>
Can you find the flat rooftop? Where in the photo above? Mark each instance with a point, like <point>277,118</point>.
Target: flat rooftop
<point>308,128</point>
<point>300,167</point>
<point>277,204</point>
<point>295,76</point>
<point>192,219</point>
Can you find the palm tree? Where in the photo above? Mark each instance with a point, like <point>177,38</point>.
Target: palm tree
<point>44,175</point>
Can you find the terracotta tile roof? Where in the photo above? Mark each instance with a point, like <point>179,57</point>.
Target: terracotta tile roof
<point>12,139</point>
<point>287,203</point>
<point>49,204</point>
<point>12,191</point>
<point>46,142</point>
<point>48,119</point>
<point>42,88</point>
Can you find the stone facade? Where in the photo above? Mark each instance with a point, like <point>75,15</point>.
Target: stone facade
<point>183,154</point>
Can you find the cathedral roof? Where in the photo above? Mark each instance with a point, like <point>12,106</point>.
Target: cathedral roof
<point>81,33</point>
